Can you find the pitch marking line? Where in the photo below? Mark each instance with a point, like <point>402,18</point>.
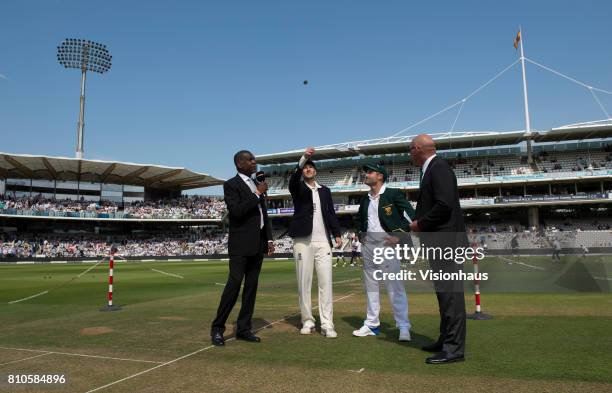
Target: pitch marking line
<point>168,274</point>
<point>531,266</point>
<point>81,355</point>
<point>61,284</point>
<point>91,267</point>
<point>29,297</point>
<point>519,263</point>
<point>21,360</point>
<point>345,281</point>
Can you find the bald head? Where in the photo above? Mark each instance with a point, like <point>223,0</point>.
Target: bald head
<point>421,148</point>
<point>425,141</point>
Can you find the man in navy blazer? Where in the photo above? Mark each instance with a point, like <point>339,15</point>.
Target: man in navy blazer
<point>314,222</point>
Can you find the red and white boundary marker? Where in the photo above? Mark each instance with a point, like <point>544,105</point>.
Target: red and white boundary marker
<point>479,315</point>
<point>111,267</point>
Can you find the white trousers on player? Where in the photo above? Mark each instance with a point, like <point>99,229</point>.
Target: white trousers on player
<point>309,255</point>
<point>395,291</point>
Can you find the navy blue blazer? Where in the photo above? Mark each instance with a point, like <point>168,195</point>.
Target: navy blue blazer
<point>301,222</point>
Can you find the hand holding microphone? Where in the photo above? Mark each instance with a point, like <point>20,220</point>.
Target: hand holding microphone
<point>262,186</point>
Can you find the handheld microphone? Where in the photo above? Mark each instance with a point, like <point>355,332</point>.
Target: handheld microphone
<point>260,176</point>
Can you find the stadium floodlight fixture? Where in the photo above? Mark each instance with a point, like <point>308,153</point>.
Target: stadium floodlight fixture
<point>85,55</point>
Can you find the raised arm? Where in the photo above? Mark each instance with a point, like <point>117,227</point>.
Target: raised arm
<point>296,176</point>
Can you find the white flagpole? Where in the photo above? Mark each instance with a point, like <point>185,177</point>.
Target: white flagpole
<point>526,100</point>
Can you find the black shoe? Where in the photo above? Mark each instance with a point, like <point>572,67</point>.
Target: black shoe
<point>217,339</point>
<point>250,337</point>
<point>443,358</point>
<point>435,347</point>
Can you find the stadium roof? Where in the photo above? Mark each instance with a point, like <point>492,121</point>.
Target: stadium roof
<point>446,141</point>
<point>25,166</point>
<point>580,131</point>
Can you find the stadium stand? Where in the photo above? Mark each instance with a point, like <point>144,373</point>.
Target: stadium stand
<point>186,207</point>
<point>536,188</point>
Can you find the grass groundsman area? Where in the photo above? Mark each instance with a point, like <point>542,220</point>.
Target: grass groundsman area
<point>159,340</point>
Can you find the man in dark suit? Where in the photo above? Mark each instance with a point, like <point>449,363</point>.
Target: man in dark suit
<point>313,223</point>
<point>250,236</point>
<point>440,222</point>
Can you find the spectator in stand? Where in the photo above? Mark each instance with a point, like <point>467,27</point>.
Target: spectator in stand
<point>180,208</point>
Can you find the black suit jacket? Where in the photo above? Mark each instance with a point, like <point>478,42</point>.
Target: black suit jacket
<point>438,208</point>
<point>245,236</point>
<point>301,222</point>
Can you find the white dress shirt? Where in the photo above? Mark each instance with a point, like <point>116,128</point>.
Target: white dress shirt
<point>318,225</point>
<point>426,164</point>
<point>318,233</point>
<point>249,182</point>
<point>373,220</point>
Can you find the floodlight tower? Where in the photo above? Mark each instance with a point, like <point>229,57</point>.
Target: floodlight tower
<point>87,56</point>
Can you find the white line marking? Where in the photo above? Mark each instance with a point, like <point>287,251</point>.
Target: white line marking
<point>508,260</point>
<point>82,355</point>
<point>357,371</point>
<point>503,258</point>
<point>91,267</point>
<point>603,278</point>
<point>47,291</point>
<point>218,283</point>
<point>531,266</point>
<point>168,274</point>
<point>193,353</point>
<point>29,297</point>
<point>345,281</point>
<point>21,360</point>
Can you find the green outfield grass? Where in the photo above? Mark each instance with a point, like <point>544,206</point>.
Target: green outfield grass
<point>555,341</point>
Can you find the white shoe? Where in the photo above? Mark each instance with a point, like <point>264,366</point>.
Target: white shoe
<point>329,333</point>
<point>404,335</point>
<point>307,329</point>
<point>366,331</point>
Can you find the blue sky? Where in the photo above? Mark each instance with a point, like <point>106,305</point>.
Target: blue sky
<point>194,81</point>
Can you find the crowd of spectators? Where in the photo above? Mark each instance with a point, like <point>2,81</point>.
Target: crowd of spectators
<point>88,246</point>
<point>185,207</point>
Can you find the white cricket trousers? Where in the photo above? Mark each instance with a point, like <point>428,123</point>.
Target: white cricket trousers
<point>395,291</point>
<point>309,255</point>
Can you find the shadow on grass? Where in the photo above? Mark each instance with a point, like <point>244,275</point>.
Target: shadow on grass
<point>259,324</point>
<point>390,333</point>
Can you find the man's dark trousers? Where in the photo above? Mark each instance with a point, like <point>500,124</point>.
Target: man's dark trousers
<point>241,267</point>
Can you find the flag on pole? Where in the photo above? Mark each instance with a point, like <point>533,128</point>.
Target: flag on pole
<point>517,39</point>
